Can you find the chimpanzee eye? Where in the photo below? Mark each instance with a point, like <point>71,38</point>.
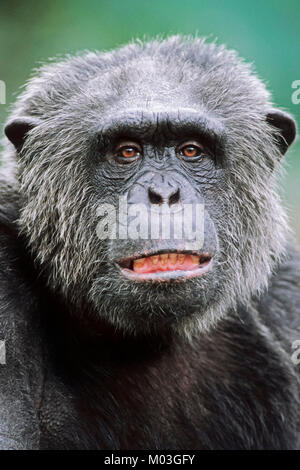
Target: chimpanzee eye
<point>128,152</point>
<point>190,150</point>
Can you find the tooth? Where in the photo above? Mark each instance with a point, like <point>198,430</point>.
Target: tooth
<point>155,259</point>
<point>195,259</point>
<point>181,258</point>
<point>138,263</point>
<point>164,259</point>
<point>173,258</point>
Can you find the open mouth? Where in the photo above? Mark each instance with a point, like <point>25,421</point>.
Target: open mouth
<point>166,265</point>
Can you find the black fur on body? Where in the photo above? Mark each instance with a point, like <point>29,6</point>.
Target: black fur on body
<point>95,360</point>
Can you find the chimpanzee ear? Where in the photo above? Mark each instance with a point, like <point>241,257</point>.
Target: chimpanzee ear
<point>17,129</point>
<point>286,125</point>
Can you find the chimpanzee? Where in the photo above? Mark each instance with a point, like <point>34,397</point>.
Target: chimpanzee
<point>118,336</point>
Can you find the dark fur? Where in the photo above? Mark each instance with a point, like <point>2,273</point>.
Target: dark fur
<point>205,364</point>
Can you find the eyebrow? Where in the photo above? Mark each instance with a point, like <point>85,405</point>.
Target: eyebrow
<point>145,123</point>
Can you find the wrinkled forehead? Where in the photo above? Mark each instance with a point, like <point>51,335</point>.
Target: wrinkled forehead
<point>150,98</point>
<point>166,90</point>
<point>147,84</point>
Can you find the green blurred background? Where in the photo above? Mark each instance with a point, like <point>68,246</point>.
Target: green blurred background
<point>266,33</point>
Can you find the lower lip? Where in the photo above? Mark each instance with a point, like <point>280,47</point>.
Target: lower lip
<point>167,276</point>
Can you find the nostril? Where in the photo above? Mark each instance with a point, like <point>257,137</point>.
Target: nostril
<point>154,197</point>
<point>174,198</point>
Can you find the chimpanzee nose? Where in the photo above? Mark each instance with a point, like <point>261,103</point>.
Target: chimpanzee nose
<point>163,191</point>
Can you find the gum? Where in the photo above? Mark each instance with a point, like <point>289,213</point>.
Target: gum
<point>149,267</point>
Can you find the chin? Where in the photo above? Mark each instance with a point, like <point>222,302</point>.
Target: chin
<point>142,304</point>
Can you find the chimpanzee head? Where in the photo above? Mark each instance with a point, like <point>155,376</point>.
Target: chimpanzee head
<point>147,181</point>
